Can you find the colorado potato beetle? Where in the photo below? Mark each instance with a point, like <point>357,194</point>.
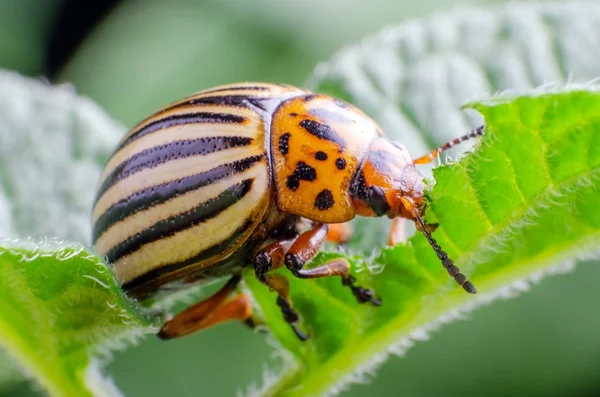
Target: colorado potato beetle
<point>223,178</point>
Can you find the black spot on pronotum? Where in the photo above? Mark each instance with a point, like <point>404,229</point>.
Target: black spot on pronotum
<point>284,146</point>
<point>302,172</point>
<point>321,156</point>
<point>340,163</point>
<point>305,172</point>
<point>309,98</point>
<point>324,200</point>
<point>323,131</point>
<point>292,182</point>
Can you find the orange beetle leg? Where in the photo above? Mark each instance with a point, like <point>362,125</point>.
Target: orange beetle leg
<point>339,233</point>
<point>305,248</point>
<point>430,156</point>
<point>397,231</point>
<point>211,311</point>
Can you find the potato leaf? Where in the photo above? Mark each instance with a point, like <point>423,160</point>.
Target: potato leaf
<point>524,203</point>
<point>61,311</point>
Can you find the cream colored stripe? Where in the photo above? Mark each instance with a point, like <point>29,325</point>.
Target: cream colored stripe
<point>194,240</point>
<point>181,132</point>
<point>169,171</point>
<point>144,219</point>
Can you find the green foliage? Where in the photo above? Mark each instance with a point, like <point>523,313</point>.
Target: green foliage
<point>522,203</point>
<point>535,173</point>
<point>412,79</point>
<point>61,308</point>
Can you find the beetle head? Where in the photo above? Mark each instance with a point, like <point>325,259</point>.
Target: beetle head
<point>387,179</point>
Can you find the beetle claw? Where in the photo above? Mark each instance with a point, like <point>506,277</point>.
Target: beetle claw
<point>300,334</point>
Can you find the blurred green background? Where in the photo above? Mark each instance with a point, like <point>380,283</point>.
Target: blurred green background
<point>133,56</point>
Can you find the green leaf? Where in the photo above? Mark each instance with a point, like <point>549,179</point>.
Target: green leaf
<point>53,146</point>
<point>523,204</point>
<point>38,122</point>
<point>25,27</point>
<point>61,309</point>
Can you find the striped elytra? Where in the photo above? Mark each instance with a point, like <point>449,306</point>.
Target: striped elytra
<point>186,188</point>
<point>226,177</point>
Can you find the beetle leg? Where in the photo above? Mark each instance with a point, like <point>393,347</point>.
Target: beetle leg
<point>271,258</point>
<point>431,156</point>
<point>397,231</point>
<point>306,246</point>
<point>211,311</point>
<point>339,233</point>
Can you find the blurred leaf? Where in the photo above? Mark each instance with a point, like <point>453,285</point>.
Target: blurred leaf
<point>77,310</point>
<point>523,204</point>
<point>9,374</point>
<point>53,145</point>
<point>414,77</point>
<point>147,53</point>
<point>24,28</point>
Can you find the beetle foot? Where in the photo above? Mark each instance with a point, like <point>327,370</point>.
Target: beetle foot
<point>292,318</point>
<point>363,295</point>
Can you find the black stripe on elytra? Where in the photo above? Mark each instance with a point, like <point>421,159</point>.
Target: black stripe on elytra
<point>228,100</point>
<point>146,283</point>
<point>155,195</point>
<point>238,88</point>
<point>177,223</point>
<point>175,150</point>
<point>183,119</point>
<point>323,131</point>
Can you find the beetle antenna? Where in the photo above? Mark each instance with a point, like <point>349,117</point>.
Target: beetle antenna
<point>448,264</point>
<point>474,133</point>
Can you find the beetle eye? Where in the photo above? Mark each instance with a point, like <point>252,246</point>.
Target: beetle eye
<point>377,201</point>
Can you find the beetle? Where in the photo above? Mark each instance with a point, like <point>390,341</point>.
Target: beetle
<point>225,178</point>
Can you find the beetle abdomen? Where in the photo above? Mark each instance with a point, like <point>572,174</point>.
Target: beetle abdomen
<point>185,188</point>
